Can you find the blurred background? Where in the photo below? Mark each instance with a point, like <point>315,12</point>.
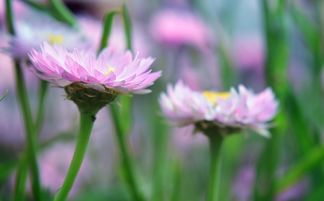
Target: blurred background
<point>210,45</point>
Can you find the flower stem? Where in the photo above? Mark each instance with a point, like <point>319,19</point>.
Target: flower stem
<point>21,177</point>
<point>215,143</point>
<point>26,111</point>
<point>30,132</point>
<point>127,163</point>
<point>42,93</point>
<point>86,124</point>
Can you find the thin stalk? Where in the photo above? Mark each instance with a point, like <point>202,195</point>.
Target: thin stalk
<point>275,31</point>
<point>176,190</point>
<point>26,111</point>
<point>121,118</point>
<point>21,176</point>
<point>30,132</point>
<point>86,124</point>
<point>126,160</point>
<point>215,143</point>
<point>42,93</point>
<point>161,143</point>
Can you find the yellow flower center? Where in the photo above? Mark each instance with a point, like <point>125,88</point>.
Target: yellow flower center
<point>213,97</point>
<point>109,70</point>
<point>55,39</point>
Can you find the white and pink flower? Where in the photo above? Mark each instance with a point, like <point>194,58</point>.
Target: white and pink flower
<point>237,109</point>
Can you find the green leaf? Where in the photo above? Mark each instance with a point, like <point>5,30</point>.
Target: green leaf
<point>127,27</point>
<point>313,158</point>
<point>107,26</point>
<point>6,168</point>
<point>62,13</point>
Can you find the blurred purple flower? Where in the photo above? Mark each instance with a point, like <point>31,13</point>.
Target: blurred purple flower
<point>237,109</point>
<point>243,184</point>
<point>35,28</point>
<point>296,192</point>
<point>177,28</point>
<point>112,69</point>
<point>11,126</point>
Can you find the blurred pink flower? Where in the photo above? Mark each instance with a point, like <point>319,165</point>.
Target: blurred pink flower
<point>54,164</point>
<point>112,69</point>
<point>178,28</point>
<point>238,109</point>
<point>249,52</point>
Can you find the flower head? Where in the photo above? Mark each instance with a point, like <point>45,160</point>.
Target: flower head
<point>36,28</point>
<point>111,73</point>
<point>226,111</point>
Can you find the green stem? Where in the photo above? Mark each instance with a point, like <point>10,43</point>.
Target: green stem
<point>127,163</point>
<point>21,176</point>
<point>42,93</point>
<point>30,132</point>
<point>86,124</point>
<point>215,143</point>
<point>161,143</point>
<point>176,190</point>
<point>10,17</point>
<point>26,111</point>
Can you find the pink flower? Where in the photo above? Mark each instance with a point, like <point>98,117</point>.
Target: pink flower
<point>112,69</point>
<point>179,28</point>
<point>237,109</point>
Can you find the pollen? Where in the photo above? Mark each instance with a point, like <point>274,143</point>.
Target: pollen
<point>109,70</point>
<point>55,39</point>
<point>213,97</point>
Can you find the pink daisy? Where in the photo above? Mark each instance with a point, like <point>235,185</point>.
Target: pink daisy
<point>112,69</point>
<point>227,111</point>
